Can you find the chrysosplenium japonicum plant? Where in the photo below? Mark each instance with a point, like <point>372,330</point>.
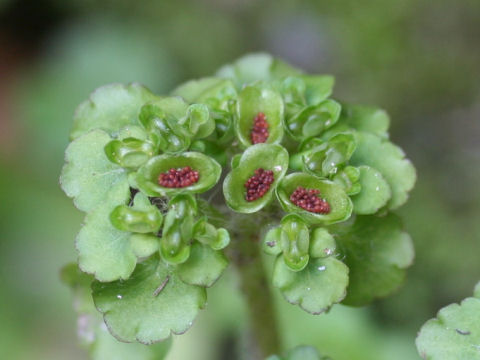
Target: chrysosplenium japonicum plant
<point>258,156</point>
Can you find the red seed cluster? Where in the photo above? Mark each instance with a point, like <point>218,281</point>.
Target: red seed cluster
<point>259,133</point>
<point>308,200</point>
<point>258,184</point>
<point>178,178</point>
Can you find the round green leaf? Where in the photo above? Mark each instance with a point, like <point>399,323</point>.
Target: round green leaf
<point>110,108</point>
<point>377,251</point>
<point>317,88</point>
<point>366,118</point>
<point>103,250</point>
<point>374,193</point>
<point>340,204</point>
<point>267,156</point>
<point>316,288</point>
<point>322,243</point>
<point>203,267</point>
<point>453,334</point>
<point>144,245</point>
<point>209,173</point>
<point>88,176</point>
<point>255,99</point>
<point>390,161</point>
<point>150,305</point>
<point>205,90</point>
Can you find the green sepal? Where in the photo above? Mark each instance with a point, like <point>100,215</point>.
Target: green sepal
<point>161,119</point>
<point>149,306</point>
<point>267,156</point>
<point>102,110</point>
<point>144,245</point>
<point>88,176</point>
<point>252,100</point>
<point>322,243</point>
<point>313,120</point>
<point>340,204</point>
<point>209,173</point>
<point>377,252</point>
<point>375,192</point>
<point>271,243</point>
<point>177,233</point>
<point>390,161</point>
<point>198,122</point>
<point>204,266</point>
<point>316,288</point>
<point>130,152</point>
<point>349,178</point>
<point>208,234</point>
<point>294,241</point>
<point>326,159</point>
<point>142,217</point>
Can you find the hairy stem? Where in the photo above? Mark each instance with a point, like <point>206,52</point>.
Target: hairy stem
<point>264,339</point>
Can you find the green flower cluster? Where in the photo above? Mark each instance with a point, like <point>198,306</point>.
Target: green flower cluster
<point>139,163</point>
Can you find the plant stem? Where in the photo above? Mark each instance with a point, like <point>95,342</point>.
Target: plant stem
<point>264,339</point>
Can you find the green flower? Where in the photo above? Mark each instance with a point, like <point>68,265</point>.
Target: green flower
<point>209,173</point>
<point>340,204</point>
<point>261,156</point>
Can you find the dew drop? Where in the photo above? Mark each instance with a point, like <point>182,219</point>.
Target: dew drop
<point>377,188</point>
<point>321,268</point>
<point>277,168</point>
<point>119,296</point>
<point>328,251</point>
<point>308,289</point>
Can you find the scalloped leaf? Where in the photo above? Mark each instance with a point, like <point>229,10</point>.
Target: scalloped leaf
<point>454,333</point>
<point>103,250</point>
<point>256,66</point>
<point>366,118</point>
<point>316,288</point>
<point>390,160</point>
<point>209,173</point>
<point>150,305</point>
<point>377,252</point>
<point>255,99</point>
<point>267,156</point>
<point>340,204</point>
<point>88,176</point>
<point>92,330</point>
<point>204,266</point>
<point>374,194</point>
<point>110,108</point>
<point>206,90</point>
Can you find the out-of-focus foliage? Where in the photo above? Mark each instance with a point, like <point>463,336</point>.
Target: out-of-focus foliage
<point>418,59</point>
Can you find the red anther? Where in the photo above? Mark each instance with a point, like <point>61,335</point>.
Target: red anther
<point>308,200</point>
<point>178,178</point>
<point>258,185</point>
<point>259,133</point>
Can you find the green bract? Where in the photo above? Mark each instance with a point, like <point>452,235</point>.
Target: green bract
<point>209,173</point>
<point>340,204</point>
<point>145,169</point>
<point>255,99</point>
<point>260,156</point>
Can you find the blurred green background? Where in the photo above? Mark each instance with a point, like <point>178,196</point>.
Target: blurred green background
<point>418,59</point>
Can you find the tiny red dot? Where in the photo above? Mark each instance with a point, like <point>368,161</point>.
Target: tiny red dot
<point>258,184</point>
<point>259,133</point>
<point>309,200</point>
<point>178,178</point>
